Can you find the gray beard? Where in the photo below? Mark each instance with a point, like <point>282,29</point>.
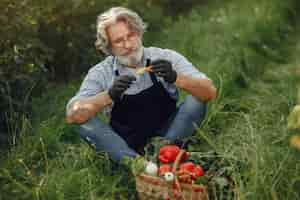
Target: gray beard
<point>133,60</point>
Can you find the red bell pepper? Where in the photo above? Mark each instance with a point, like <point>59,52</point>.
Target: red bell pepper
<point>168,154</point>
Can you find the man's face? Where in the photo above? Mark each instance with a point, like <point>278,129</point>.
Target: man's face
<point>125,43</point>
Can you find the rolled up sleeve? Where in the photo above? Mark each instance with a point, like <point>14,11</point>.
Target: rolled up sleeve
<point>91,85</point>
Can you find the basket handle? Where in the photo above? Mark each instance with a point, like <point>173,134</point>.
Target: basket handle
<point>174,168</point>
<point>177,160</point>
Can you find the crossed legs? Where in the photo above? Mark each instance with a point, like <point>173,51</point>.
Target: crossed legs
<point>181,125</point>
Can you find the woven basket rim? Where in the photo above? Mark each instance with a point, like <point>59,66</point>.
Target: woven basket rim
<point>161,181</point>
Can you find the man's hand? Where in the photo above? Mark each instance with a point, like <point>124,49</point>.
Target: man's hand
<point>80,112</point>
<point>163,68</point>
<point>120,84</point>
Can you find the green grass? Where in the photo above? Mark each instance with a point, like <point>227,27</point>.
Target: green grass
<point>248,49</point>
<point>257,138</point>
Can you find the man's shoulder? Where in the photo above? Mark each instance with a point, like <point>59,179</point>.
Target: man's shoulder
<point>162,52</point>
<point>158,50</point>
<point>103,66</point>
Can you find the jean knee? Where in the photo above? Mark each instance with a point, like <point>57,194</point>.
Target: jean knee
<point>92,125</point>
<point>88,130</point>
<point>194,108</point>
<point>101,136</point>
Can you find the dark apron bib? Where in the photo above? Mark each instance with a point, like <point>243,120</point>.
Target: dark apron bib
<point>136,117</point>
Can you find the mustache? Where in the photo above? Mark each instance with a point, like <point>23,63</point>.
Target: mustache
<point>131,50</point>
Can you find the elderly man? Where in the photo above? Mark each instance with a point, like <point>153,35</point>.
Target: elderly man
<point>139,106</point>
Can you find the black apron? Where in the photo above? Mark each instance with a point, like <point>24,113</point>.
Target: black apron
<point>137,117</point>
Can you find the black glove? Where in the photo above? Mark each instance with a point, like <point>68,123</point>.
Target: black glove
<point>120,84</point>
<point>163,68</point>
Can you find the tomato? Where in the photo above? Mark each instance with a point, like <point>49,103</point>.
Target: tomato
<point>188,166</point>
<point>198,171</point>
<point>193,170</point>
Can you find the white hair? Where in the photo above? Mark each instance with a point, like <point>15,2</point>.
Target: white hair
<point>111,16</point>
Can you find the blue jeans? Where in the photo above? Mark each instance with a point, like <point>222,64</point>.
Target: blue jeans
<point>180,125</point>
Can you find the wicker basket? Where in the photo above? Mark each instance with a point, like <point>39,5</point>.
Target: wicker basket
<point>156,188</point>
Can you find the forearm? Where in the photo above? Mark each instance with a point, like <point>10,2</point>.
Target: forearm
<point>82,110</point>
<point>202,89</point>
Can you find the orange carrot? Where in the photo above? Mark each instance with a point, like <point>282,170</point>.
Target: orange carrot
<point>142,70</point>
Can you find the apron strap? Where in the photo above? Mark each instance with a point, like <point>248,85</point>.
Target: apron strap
<point>116,71</point>
<point>153,78</point>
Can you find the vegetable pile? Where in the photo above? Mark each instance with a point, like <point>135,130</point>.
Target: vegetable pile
<point>186,172</point>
